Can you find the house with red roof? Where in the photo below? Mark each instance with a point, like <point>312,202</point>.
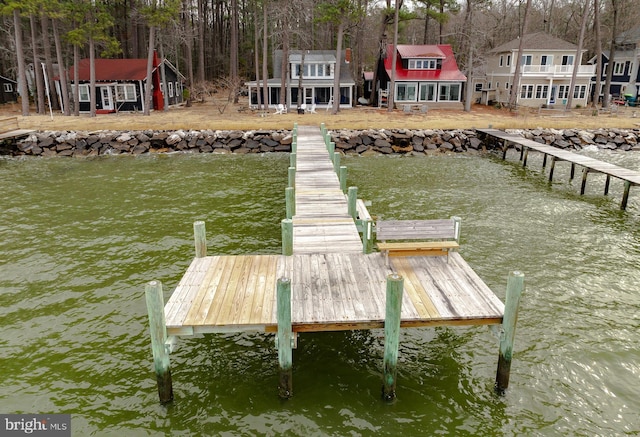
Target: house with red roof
<point>120,84</point>
<point>424,74</point>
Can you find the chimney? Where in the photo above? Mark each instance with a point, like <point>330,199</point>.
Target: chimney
<point>347,56</point>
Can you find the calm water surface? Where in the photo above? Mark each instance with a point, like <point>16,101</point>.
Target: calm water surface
<point>80,238</point>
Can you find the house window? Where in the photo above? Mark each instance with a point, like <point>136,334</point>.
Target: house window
<point>506,85</point>
<point>618,68</point>
<point>542,91</point>
<point>526,59</point>
<point>406,92</point>
<point>579,91</point>
<point>311,71</point>
<point>567,60</point>
<point>478,86</point>
<point>563,91</point>
<point>501,60</point>
<point>422,64</point>
<point>526,92</point>
<point>450,92</point>
<point>126,93</point>
<point>274,95</point>
<point>170,89</point>
<point>428,92</point>
<point>546,60</point>
<point>508,60</point>
<point>8,87</point>
<point>83,91</point>
<point>497,84</point>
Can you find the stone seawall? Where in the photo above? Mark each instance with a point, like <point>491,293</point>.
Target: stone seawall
<point>361,142</point>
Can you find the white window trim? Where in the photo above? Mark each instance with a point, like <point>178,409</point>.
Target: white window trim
<point>449,85</point>
<point>413,85</point>
<point>126,92</point>
<point>83,93</point>
<point>8,87</point>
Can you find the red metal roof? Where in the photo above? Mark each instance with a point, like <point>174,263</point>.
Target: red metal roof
<point>449,71</point>
<point>113,69</point>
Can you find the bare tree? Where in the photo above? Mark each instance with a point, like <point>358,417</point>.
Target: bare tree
<point>578,58</point>
<point>596,25</point>
<point>513,96</point>
<point>615,4</point>
<point>22,71</point>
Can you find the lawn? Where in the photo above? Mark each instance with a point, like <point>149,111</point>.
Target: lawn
<point>215,114</point>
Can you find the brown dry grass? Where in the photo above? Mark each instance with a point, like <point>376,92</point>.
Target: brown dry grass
<point>209,115</point>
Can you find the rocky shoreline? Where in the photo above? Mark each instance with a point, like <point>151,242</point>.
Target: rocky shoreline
<point>355,142</point>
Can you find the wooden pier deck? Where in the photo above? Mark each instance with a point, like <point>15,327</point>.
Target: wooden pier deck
<point>9,129</point>
<point>321,222</point>
<point>335,286</point>
<point>589,165</point>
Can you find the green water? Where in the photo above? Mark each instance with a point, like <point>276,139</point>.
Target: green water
<point>80,238</point>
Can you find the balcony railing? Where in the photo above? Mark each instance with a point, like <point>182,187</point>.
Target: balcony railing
<point>588,70</point>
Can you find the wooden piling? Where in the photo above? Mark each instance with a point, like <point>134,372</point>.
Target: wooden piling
<point>352,198</point>
<point>573,171</point>
<point>395,286</point>
<point>515,286</point>
<point>284,338</point>
<point>292,160</point>
<point>332,149</point>
<point>292,176</point>
<point>583,186</point>
<point>525,156</point>
<point>158,329</point>
<point>457,222</point>
<point>625,195</point>
<point>336,162</point>
<point>367,233</point>
<point>552,167</point>
<point>200,238</point>
<point>290,198</point>
<point>287,236</point>
<point>606,185</point>
<point>343,178</point>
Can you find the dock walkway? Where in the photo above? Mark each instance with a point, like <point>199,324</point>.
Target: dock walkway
<point>629,177</point>
<point>321,222</point>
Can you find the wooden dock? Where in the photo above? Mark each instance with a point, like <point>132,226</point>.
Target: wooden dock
<point>589,165</point>
<point>9,129</point>
<point>334,284</point>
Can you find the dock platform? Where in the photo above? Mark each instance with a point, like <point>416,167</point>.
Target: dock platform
<point>335,282</point>
<point>589,165</point>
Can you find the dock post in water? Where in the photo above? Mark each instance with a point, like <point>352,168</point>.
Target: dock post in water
<point>158,329</point>
<point>515,285</point>
<point>284,338</point>
<point>625,195</point>
<point>287,236</point>
<point>583,186</point>
<point>352,199</point>
<point>343,178</point>
<point>367,233</point>
<point>395,285</point>
<point>290,198</point>
<point>200,238</point>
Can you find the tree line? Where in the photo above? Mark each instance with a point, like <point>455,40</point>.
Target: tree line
<point>226,42</point>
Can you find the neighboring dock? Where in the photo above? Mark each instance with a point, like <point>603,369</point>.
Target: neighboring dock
<point>333,282</point>
<point>10,129</point>
<point>506,140</point>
